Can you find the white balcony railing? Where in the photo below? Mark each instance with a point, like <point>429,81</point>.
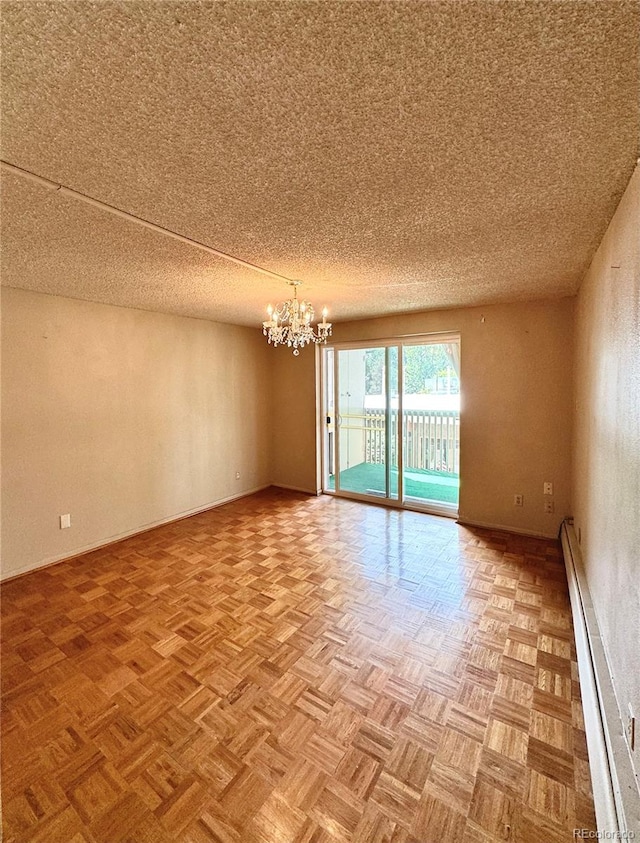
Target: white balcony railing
<point>431,438</point>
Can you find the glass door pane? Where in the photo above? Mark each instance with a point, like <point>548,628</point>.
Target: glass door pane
<point>431,423</point>
<point>361,421</point>
<point>367,421</point>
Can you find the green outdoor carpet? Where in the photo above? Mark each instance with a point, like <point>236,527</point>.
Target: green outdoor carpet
<point>368,478</point>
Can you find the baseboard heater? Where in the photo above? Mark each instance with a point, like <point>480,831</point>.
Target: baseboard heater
<point>615,792</point>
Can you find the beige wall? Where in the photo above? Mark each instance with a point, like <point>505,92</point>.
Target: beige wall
<point>607,442</point>
<point>121,418</point>
<point>294,448</point>
<point>516,369</point>
<point>125,418</point>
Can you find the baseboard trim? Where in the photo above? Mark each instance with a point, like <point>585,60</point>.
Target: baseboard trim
<point>467,522</point>
<point>314,492</point>
<point>615,792</point>
<point>63,557</point>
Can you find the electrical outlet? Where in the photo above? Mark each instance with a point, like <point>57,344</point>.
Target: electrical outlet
<point>548,488</point>
<point>65,521</point>
<point>548,507</point>
<point>237,475</point>
<point>518,500</point>
<point>631,729</point>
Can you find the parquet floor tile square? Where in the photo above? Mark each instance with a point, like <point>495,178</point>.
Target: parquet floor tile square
<point>285,669</point>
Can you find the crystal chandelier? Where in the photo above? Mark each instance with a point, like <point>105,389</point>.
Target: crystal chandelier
<point>290,323</point>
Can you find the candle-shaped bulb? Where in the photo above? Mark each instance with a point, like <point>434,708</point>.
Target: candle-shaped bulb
<point>325,313</point>
<point>269,310</point>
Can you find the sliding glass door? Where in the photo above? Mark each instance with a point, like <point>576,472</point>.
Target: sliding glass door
<point>392,422</point>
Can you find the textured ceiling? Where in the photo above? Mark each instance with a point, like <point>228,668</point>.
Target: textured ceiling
<point>394,156</point>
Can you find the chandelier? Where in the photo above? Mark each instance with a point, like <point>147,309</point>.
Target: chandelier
<point>290,323</point>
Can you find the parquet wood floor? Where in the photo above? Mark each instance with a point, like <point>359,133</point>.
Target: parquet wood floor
<point>285,668</point>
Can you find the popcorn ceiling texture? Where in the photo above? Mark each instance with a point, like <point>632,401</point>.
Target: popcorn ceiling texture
<point>395,156</point>
<point>60,246</point>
